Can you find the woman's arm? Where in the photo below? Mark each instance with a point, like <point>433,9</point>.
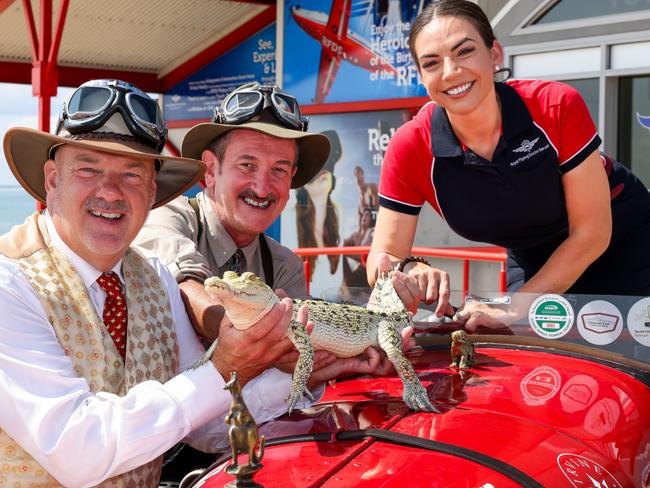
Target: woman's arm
<point>392,242</point>
<point>587,199</point>
<point>394,234</point>
<point>588,204</point>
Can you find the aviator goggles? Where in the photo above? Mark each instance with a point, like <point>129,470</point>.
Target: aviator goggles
<point>249,100</point>
<point>93,103</point>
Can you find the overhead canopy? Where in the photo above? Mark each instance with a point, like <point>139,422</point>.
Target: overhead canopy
<point>152,43</point>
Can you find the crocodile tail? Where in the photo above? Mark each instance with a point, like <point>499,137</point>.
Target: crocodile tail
<point>384,298</point>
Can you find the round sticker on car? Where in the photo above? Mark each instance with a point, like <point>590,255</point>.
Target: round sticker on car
<point>638,321</point>
<point>551,316</point>
<point>582,471</point>
<point>600,322</point>
<point>540,385</point>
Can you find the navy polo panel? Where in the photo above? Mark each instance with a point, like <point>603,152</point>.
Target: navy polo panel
<point>515,200</point>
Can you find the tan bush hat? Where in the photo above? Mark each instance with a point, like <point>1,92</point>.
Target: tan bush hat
<point>313,149</point>
<point>27,150</point>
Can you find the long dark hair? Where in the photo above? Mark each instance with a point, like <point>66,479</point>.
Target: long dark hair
<point>463,9</point>
<point>305,220</point>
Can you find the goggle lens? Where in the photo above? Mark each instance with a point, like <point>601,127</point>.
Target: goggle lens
<point>285,103</point>
<point>145,109</point>
<point>242,101</point>
<point>92,105</point>
<point>250,99</point>
<point>89,99</point>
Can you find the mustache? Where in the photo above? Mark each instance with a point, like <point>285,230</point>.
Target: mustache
<point>271,197</point>
<point>96,203</point>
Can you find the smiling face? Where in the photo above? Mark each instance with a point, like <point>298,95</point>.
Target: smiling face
<point>98,201</point>
<point>456,66</point>
<point>250,186</point>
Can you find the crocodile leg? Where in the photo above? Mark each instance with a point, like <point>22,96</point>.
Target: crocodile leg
<point>415,395</point>
<point>301,372</point>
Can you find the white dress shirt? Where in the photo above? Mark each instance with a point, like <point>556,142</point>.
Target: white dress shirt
<point>82,439</point>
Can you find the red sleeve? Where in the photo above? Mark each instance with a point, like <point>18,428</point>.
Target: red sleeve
<point>561,111</point>
<point>405,182</point>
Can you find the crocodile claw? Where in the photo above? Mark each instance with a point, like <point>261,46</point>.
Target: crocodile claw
<point>295,396</point>
<point>415,396</point>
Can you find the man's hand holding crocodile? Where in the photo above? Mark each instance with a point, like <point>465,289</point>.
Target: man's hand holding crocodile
<point>251,351</point>
<point>345,330</point>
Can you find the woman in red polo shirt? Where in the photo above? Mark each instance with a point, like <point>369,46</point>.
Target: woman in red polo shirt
<point>515,164</point>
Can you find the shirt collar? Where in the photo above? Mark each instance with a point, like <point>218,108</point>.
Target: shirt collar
<point>518,117</point>
<point>88,273</point>
<point>444,142</point>
<point>222,245</point>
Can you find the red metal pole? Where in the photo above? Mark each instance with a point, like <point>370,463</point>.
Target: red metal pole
<point>465,278</point>
<point>171,147</point>
<point>31,28</point>
<point>40,70</point>
<point>307,269</point>
<point>503,280</point>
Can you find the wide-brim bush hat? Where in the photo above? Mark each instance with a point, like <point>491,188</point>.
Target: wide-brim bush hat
<point>313,148</point>
<point>27,150</point>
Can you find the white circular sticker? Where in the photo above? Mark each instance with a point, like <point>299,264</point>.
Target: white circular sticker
<point>540,385</point>
<point>600,322</point>
<point>602,417</point>
<point>582,472</point>
<point>551,316</point>
<point>578,393</point>
<point>638,321</point>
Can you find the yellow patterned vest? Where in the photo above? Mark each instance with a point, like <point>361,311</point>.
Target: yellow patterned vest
<point>151,341</point>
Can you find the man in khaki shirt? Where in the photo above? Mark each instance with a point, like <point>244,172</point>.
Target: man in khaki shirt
<point>256,150</point>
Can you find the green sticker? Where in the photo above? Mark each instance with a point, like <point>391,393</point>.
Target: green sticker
<point>551,316</point>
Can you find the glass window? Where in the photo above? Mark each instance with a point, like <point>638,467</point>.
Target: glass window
<point>554,63</point>
<point>588,88</point>
<point>575,9</point>
<point>634,125</point>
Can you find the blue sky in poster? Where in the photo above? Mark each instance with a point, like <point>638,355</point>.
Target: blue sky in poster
<point>352,83</point>
<point>196,96</point>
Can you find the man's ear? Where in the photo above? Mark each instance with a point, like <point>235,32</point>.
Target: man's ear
<point>50,173</point>
<point>211,162</point>
<point>294,168</point>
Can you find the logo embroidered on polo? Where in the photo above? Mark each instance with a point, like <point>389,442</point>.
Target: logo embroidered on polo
<point>528,150</point>
<point>526,146</point>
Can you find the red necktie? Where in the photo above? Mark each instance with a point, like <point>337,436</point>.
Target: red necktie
<point>114,315</point>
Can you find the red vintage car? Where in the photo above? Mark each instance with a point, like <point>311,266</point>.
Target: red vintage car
<point>533,411</point>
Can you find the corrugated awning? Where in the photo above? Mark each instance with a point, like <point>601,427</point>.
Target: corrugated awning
<point>153,43</point>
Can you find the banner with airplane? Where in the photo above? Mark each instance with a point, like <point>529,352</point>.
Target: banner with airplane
<point>347,51</point>
<point>196,96</point>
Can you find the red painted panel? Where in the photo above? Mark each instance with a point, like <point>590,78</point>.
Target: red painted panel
<point>369,106</point>
<point>559,419</point>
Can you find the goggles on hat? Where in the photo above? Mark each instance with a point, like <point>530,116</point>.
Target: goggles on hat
<point>247,101</point>
<point>91,105</point>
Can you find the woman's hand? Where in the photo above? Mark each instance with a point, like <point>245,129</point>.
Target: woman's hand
<point>419,282</point>
<point>474,314</point>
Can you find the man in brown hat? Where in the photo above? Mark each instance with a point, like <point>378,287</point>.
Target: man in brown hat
<point>256,150</point>
<point>96,343</point>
